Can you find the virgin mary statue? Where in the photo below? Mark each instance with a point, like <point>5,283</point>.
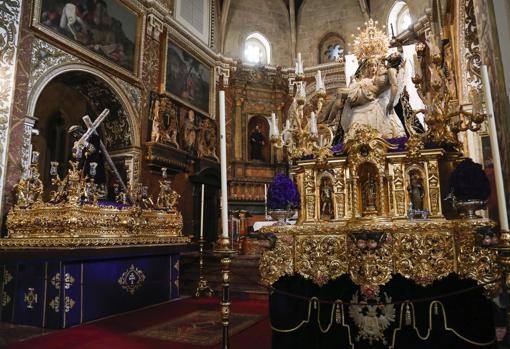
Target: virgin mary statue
<point>371,98</point>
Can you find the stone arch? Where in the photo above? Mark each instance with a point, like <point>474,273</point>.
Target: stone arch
<point>393,14</point>
<point>92,91</point>
<point>115,88</point>
<point>262,41</point>
<point>328,40</point>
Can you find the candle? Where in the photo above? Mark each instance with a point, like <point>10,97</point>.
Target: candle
<point>275,125</point>
<point>313,124</point>
<point>287,124</point>
<point>299,64</point>
<point>202,214</point>
<point>318,81</point>
<point>265,201</point>
<point>223,166</point>
<point>498,173</point>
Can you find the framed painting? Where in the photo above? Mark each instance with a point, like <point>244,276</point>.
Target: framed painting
<point>187,79</point>
<point>105,31</point>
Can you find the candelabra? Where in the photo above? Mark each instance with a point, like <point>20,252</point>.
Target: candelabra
<point>443,115</point>
<point>302,135</point>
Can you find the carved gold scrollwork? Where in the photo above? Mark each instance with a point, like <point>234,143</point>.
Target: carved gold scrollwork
<point>310,194</point>
<point>425,257</point>
<point>434,190</point>
<point>339,187</point>
<point>279,261</point>
<point>321,258</point>
<point>422,251</point>
<point>370,267</point>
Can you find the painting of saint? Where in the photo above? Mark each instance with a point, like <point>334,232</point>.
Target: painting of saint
<point>187,78</point>
<point>258,139</point>
<point>106,27</point>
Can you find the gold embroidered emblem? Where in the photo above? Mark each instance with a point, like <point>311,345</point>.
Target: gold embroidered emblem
<point>132,279</point>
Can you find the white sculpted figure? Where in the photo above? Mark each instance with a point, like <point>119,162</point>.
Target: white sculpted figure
<point>371,99</point>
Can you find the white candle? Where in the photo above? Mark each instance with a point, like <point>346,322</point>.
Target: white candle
<point>202,215</point>
<point>296,70</point>
<point>498,173</point>
<point>223,166</point>
<point>287,124</point>
<point>275,125</point>
<point>265,201</point>
<point>299,63</point>
<point>318,81</point>
<point>313,124</point>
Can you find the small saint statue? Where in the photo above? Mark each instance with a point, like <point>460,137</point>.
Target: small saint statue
<point>416,192</point>
<point>326,199</point>
<point>369,195</point>
<point>257,142</point>
<point>189,131</point>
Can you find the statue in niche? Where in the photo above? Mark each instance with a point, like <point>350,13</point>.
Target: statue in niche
<point>326,197</point>
<point>207,139</point>
<point>189,131</point>
<point>257,142</point>
<point>164,122</point>
<point>416,192</point>
<point>369,192</point>
<point>156,123</point>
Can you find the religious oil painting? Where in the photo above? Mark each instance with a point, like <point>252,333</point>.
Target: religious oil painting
<point>108,31</point>
<point>187,78</point>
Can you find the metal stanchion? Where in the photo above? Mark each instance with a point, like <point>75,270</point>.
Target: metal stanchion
<point>224,250</point>
<point>203,288</point>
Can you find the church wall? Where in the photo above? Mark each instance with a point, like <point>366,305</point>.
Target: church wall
<point>19,106</point>
<point>38,57</point>
<point>268,17</point>
<point>491,54</point>
<point>316,18</point>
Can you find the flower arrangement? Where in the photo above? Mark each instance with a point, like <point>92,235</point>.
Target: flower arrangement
<point>469,182</point>
<point>282,193</point>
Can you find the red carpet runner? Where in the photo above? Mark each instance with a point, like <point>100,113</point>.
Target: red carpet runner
<point>118,332</point>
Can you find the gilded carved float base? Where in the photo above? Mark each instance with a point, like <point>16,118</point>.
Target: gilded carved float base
<point>423,251</point>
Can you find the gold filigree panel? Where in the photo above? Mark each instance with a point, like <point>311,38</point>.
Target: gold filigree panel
<point>320,258</point>
<point>424,257</point>
<point>422,251</point>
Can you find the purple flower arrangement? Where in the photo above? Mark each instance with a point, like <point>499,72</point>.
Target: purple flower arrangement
<point>282,193</point>
<point>468,181</point>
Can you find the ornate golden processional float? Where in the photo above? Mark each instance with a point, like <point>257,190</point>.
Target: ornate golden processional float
<point>374,207</point>
<point>79,254</point>
<point>74,215</point>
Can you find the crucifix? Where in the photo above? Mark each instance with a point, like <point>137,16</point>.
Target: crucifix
<point>83,142</point>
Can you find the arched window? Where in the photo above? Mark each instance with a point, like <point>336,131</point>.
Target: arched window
<point>331,48</point>
<point>257,49</point>
<point>399,18</point>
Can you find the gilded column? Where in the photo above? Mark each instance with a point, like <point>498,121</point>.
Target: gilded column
<point>339,196</point>
<point>434,189</point>
<point>279,151</point>
<point>382,201</point>
<point>238,155</point>
<point>10,14</point>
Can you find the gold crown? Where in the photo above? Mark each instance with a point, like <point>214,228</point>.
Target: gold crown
<point>371,42</point>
